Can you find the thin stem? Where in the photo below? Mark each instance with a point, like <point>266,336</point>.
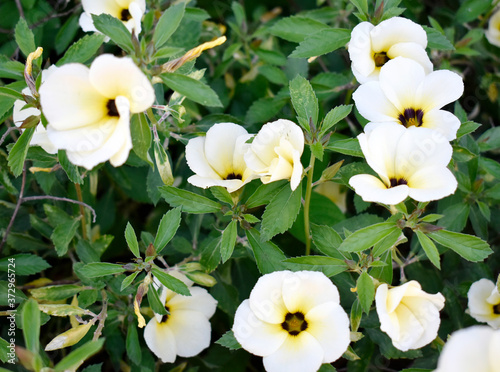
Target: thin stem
<point>82,211</point>
<point>43,197</point>
<point>7,132</point>
<point>307,204</point>
<point>102,315</point>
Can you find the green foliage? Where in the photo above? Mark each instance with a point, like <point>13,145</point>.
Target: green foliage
<point>115,30</point>
<point>168,23</point>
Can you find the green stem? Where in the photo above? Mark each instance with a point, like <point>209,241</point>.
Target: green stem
<point>307,204</point>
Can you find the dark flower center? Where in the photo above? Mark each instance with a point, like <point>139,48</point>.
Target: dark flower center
<point>111,106</point>
<point>294,323</point>
<point>496,309</point>
<point>233,176</point>
<point>125,15</point>
<point>164,318</point>
<point>411,117</point>
<point>398,181</point>
<point>381,59</point>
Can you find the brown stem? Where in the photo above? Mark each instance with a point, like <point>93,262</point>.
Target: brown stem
<point>82,211</point>
<point>102,315</point>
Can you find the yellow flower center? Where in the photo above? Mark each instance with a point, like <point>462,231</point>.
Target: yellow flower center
<point>294,323</point>
<point>125,15</point>
<point>380,59</point>
<point>111,107</point>
<point>411,117</point>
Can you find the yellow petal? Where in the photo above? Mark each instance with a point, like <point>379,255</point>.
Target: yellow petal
<point>140,318</point>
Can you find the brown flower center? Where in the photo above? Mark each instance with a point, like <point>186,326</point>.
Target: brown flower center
<point>398,181</point>
<point>496,309</point>
<point>411,117</point>
<point>111,106</point>
<point>164,318</point>
<point>381,59</point>
<point>294,323</point>
<point>234,176</point>
<point>125,15</point>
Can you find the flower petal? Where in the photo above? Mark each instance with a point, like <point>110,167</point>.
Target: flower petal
<point>113,77</point>
<point>254,335</point>
<point>432,184</point>
<point>372,103</point>
<point>266,298</point>
<point>371,189</point>
<point>412,51</point>
<point>442,121</point>
<point>102,6</point>
<point>191,330</point>
<point>329,325</point>
<point>136,9</point>
<point>200,301</point>
<point>360,49</point>
<point>160,341</point>
<point>196,160</point>
<point>440,88</point>
<point>478,294</point>
<point>397,30</point>
<point>297,171</point>
<point>86,23</point>
<point>301,353</point>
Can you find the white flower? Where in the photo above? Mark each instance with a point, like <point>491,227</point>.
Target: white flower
<point>130,12</point>
<point>493,31</point>
<point>410,162</point>
<point>20,114</point>
<point>88,110</point>
<point>405,95</point>
<point>484,302</point>
<point>293,320</point>
<point>372,46</point>
<point>217,159</point>
<point>408,315</point>
<point>186,330</point>
<point>471,349</point>
<point>275,152</point>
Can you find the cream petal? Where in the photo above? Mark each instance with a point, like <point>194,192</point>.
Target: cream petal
<point>301,353</point>
<point>329,325</point>
<point>388,322</point>
<point>254,335</point>
<point>254,163</point>
<point>477,296</point>
<point>297,171</point>
<point>136,12</point>
<point>20,114</point>
<point>432,184</point>
<point>68,99</point>
<point>102,6</point>
<point>412,51</point>
<point>400,79</point>
<point>266,298</point>
<point>40,138</point>
<point>191,330</point>
<point>196,160</point>
<point>202,182</point>
<point>304,290</point>
<point>442,121</point>
<point>280,169</point>
<point>410,329</point>
<point>160,341</point>
<point>397,30</point>
<point>113,76</point>
<point>493,31</point>
<point>362,79</point>
<point>240,148</point>
<point>86,23</point>
<point>372,103</point>
<point>220,146</point>
<point>200,301</point>
<point>360,50</point>
<point>440,88</point>
<point>371,189</point>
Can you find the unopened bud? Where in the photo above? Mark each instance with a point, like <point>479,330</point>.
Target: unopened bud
<point>202,278</point>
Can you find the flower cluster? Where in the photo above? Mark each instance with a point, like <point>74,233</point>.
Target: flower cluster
<point>225,157</point>
<point>405,142</point>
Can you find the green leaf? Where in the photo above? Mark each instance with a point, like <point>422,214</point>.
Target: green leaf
<point>18,152</point>
<point>115,30</point>
<point>69,338</point>
<point>356,315</point>
<point>281,212</point>
<point>132,344</point>
<point>263,109</point>
<point>128,280</point>
<point>193,89</point>
<point>56,292</point>
<point>131,240</point>
<point>429,248</point>
<point>74,359</point>
<point>228,340</point>
<point>436,40</point>
<point>82,50</point>
<point>61,310</point>
<point>4,351</point>
<point>228,240</point>
<point>317,150</point>
<point>163,164</point>
<point>24,37</point>
<point>367,237</point>
<point>469,247</point>
<point>268,256</point>
<point>329,265</point>
<point>168,23</point>
<point>271,57</point>
<point>296,28</point>
<point>222,194</point>
<point>386,243</point>
<point>431,218</point>
<point>167,228</point>
<point>366,291</point>
<point>322,42</point>
<point>265,193</point>
<point>63,234</point>
<point>11,93</point>
<point>98,269</point>
<point>333,117</point>
<point>210,254</point>
<point>349,146</point>
<point>239,13</point>
<point>189,201</point>
<point>273,74</point>
<point>154,301</point>
<point>170,282</point>
<point>304,101</point>
<point>141,137</point>
<point>466,128</point>
<point>31,325</point>
<point>6,299</point>
<point>470,10</point>
<point>71,170</point>
<point>384,273</point>
<point>361,5</point>
<point>24,264</point>
<point>327,240</point>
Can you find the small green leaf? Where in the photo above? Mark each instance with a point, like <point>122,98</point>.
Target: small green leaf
<point>221,194</point>
<point>304,100</point>
<point>82,50</point>
<point>56,292</point>
<point>366,291</point>
<point>386,243</point>
<point>18,152</point>
<point>25,264</point>
<point>11,93</point>
<point>349,146</point>
<point>332,266</point>
<point>265,193</point>
<point>163,164</point>
<point>71,170</point>
<point>356,315</point>
<point>470,10</point>
<point>429,248</point>
<point>115,30</point>
<point>189,201</point>
<point>170,282</point>
<point>24,37</point>
<point>63,234</point>
<point>128,280</point>
<point>469,247</point>
<point>74,359</point>
<point>327,240</point>
<point>154,301</point>
<point>367,237</point>
<point>131,240</point>
<point>239,13</point>
<point>132,345</point>
<point>384,273</point>
<point>168,23</point>
<point>436,40</point>
<point>431,218</point>
<point>228,340</point>
<point>193,89</point>
<point>318,150</point>
<point>361,5</point>
<point>268,256</point>
<point>466,128</point>
<point>62,310</point>
<point>167,228</point>
<point>296,28</point>
<point>141,137</point>
<point>31,325</point>
<point>210,254</point>
<point>322,42</point>
<point>333,117</point>
<point>98,269</point>
<point>228,240</point>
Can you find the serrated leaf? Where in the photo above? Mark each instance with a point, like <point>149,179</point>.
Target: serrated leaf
<point>168,23</point>
<point>24,37</point>
<point>304,100</point>
<point>349,146</point>
<point>296,28</point>
<point>115,30</point>
<point>327,240</point>
<point>11,93</point>
<point>210,254</point>
<point>170,282</point>
<point>366,291</point>
<point>189,201</point>
<point>31,325</point>
<point>98,269</point>
<point>128,280</point>
<point>333,117</point>
<point>335,265</point>
<point>69,168</point>
<point>132,344</point>
<point>386,243</point>
<point>367,237</point>
<point>436,40</point>
<point>355,315</point>
<point>24,264</point>
<point>141,137</point>
<point>56,292</point>
<point>317,150</point>
<point>74,359</point>
<point>228,340</point>
<point>281,212</point>
<point>264,194</point>
<point>167,228</point>
<point>193,89</point>
<point>322,42</point>
<point>82,50</point>
<point>18,152</point>
<point>154,301</point>
<point>63,234</point>
<point>268,256</point>
<point>470,10</point>
<point>228,241</point>
<point>429,248</point>
<point>131,240</point>
<point>469,247</point>
<point>221,194</point>
<point>264,109</point>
